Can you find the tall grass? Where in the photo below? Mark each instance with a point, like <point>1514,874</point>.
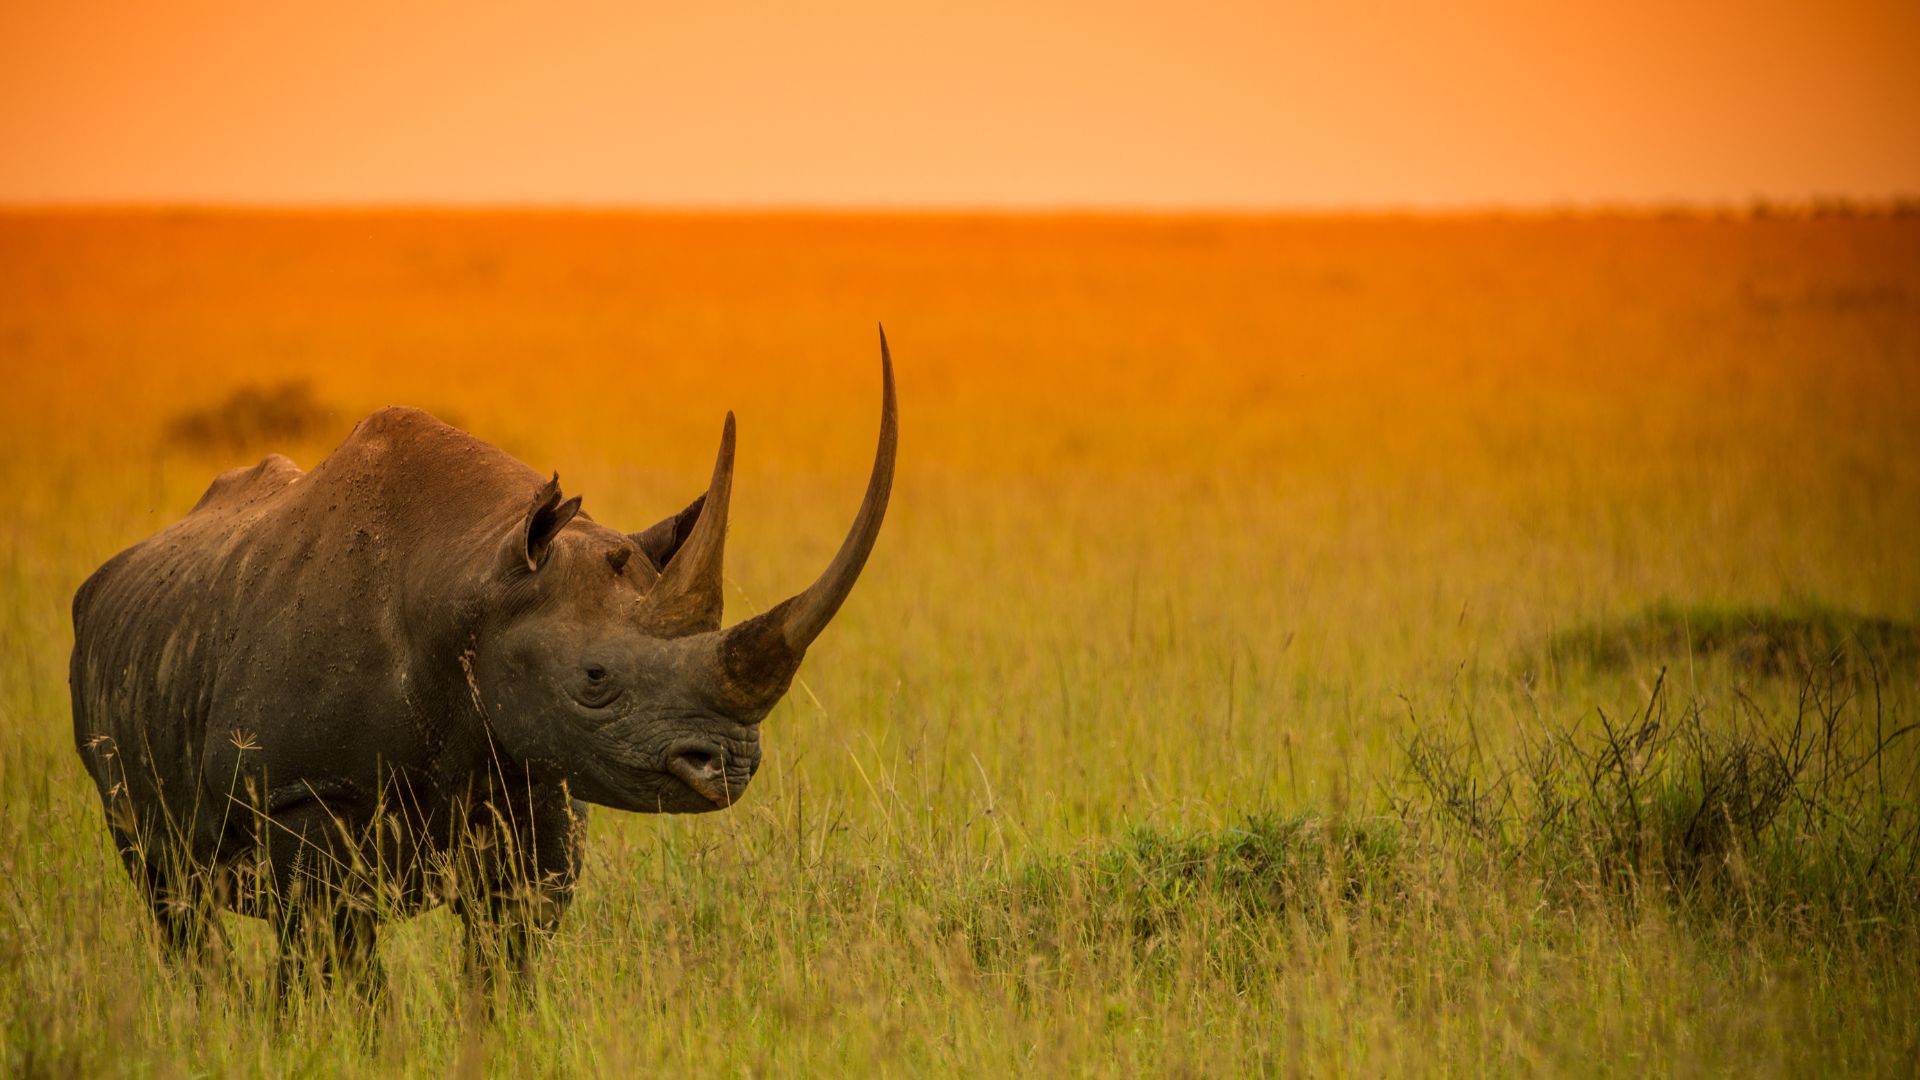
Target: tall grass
<point>1749,816</point>
<point>1257,673</point>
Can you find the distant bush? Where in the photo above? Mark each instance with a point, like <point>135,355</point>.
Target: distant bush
<point>251,418</point>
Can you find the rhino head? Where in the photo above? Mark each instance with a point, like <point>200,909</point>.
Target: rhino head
<point>602,658</point>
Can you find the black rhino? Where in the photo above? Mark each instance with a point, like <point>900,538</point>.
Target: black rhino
<point>332,697</point>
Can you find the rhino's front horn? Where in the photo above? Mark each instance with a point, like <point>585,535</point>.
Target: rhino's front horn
<point>759,656</point>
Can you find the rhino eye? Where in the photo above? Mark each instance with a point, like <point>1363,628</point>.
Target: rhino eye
<point>596,691</point>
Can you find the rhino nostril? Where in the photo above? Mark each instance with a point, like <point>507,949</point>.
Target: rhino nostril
<point>701,762</point>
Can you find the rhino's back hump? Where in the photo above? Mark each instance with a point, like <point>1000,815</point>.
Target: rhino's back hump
<point>274,601</point>
<point>272,512</point>
<point>236,488</point>
<point>161,563</point>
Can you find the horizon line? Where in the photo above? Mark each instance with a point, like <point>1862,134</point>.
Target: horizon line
<point>1900,205</point>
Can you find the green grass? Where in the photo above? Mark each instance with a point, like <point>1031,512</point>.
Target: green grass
<point>1257,673</point>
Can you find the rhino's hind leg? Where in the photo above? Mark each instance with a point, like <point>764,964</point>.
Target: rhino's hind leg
<point>174,892</point>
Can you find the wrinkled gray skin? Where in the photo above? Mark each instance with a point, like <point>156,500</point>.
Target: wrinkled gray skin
<point>330,697</point>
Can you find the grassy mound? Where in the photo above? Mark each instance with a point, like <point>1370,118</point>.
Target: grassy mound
<point>1758,640</point>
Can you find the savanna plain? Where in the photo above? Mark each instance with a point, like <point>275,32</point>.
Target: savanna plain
<point>1304,646</point>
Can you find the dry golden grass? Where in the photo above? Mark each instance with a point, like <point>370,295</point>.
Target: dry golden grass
<point>1192,516</point>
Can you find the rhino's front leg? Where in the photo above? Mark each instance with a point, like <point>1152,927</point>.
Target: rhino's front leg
<point>524,866</point>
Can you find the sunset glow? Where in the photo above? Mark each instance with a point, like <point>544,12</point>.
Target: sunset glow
<point>861,103</point>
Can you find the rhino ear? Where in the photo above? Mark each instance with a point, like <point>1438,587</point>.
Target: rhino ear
<point>661,539</point>
<point>545,518</point>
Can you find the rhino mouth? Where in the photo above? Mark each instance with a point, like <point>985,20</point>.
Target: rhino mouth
<point>694,774</point>
<point>702,766</point>
<point>697,771</point>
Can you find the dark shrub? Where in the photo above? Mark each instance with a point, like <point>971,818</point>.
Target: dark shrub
<point>252,418</point>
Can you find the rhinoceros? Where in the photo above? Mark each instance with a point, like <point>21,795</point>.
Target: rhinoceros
<point>335,697</point>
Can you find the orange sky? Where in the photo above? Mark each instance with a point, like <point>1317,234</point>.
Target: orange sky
<point>1359,103</point>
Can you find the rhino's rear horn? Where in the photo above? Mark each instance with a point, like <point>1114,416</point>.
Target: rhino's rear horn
<point>760,656</point>
<point>688,597</point>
